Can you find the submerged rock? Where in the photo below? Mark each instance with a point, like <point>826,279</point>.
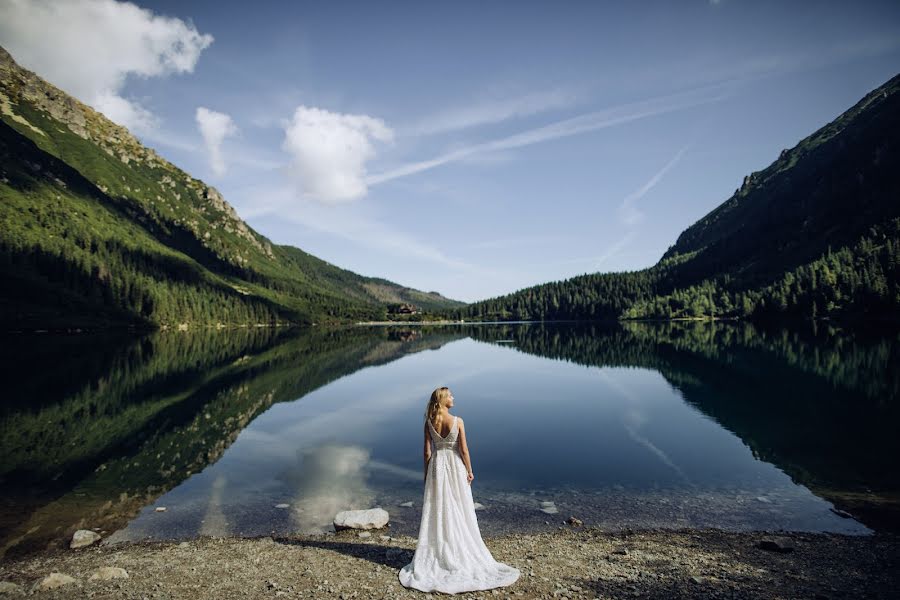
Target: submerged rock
<point>374,518</point>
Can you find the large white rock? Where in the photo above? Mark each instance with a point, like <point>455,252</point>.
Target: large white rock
<point>54,580</point>
<point>84,537</point>
<point>106,573</point>
<point>374,518</point>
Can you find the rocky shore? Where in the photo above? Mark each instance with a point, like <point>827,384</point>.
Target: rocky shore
<point>573,562</point>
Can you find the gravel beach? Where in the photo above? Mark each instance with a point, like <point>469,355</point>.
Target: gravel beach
<point>568,563</point>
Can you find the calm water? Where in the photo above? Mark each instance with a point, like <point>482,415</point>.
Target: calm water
<point>638,425</point>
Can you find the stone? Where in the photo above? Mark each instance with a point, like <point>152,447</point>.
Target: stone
<point>8,588</point>
<point>374,518</point>
<point>763,499</point>
<point>364,534</point>
<point>282,505</point>
<point>549,508</point>
<point>107,573</point>
<point>406,504</point>
<point>841,513</point>
<point>162,508</point>
<point>574,522</point>
<point>84,537</point>
<point>53,581</point>
<point>479,506</point>
<point>776,544</point>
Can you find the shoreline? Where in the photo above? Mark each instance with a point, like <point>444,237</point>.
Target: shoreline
<point>569,562</point>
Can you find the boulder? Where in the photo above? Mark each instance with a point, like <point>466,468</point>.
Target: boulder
<point>107,573</point>
<point>84,537</point>
<point>374,518</point>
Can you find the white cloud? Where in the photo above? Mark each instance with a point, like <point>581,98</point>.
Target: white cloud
<point>329,151</point>
<point>89,47</point>
<point>215,127</point>
<point>628,212</point>
<point>576,125</point>
<point>493,111</point>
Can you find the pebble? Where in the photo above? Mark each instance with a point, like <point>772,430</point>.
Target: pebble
<point>8,588</point>
<point>53,581</point>
<point>160,509</point>
<point>282,505</point>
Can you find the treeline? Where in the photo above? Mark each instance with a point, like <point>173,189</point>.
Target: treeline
<point>863,279</point>
<point>601,296</point>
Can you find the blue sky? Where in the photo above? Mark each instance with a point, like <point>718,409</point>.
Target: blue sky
<point>468,148</point>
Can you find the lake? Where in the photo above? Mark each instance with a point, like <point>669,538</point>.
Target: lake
<point>265,431</point>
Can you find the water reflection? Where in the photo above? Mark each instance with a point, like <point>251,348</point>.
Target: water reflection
<point>654,424</point>
<point>327,480</point>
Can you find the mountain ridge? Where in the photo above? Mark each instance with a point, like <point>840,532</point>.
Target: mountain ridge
<point>816,233</point>
<point>65,168</point>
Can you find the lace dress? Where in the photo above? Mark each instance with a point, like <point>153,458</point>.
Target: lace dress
<point>450,555</point>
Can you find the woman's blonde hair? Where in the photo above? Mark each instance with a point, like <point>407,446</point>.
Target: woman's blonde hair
<point>437,400</point>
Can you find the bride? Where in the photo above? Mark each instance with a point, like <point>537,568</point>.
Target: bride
<point>450,555</point>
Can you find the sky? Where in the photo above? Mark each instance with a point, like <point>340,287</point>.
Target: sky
<point>468,148</point>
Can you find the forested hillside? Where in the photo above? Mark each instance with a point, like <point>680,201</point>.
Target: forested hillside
<point>816,234</point>
<point>97,230</point>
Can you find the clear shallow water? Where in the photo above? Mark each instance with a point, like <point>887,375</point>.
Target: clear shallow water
<point>644,425</point>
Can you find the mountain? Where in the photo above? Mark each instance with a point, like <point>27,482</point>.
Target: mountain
<point>815,234</point>
<point>97,229</point>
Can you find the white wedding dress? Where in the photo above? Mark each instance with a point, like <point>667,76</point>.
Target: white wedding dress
<point>450,555</point>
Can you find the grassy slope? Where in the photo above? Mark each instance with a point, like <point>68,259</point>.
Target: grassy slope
<point>83,167</point>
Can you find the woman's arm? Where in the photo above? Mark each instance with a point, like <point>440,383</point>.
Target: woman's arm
<point>427,449</point>
<point>464,450</point>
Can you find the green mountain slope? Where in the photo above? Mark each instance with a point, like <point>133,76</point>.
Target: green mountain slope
<point>96,229</point>
<point>816,234</point>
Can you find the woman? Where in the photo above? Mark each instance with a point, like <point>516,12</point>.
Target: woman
<point>450,555</point>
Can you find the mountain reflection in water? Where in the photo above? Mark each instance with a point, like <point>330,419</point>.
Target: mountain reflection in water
<point>225,427</point>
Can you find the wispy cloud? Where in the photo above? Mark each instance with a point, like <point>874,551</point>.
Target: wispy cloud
<point>503,243</point>
<point>573,126</point>
<point>349,223</point>
<point>631,214</point>
<point>492,111</point>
